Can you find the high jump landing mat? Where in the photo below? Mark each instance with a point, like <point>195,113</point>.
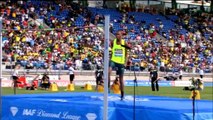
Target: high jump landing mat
<point>89,106</point>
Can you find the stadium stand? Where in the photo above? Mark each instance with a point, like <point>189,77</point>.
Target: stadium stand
<point>71,38</point>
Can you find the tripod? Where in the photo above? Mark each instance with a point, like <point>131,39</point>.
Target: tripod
<point>193,103</point>
<point>195,94</point>
<point>135,84</point>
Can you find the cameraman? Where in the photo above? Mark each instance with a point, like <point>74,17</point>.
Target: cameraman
<point>45,81</point>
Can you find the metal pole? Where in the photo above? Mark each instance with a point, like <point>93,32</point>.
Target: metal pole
<point>106,66</point>
<point>0,66</point>
<point>11,66</point>
<point>59,73</point>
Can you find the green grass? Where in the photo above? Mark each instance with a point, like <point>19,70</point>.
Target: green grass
<point>177,92</point>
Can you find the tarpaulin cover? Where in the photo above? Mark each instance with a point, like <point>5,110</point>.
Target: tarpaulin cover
<point>89,106</point>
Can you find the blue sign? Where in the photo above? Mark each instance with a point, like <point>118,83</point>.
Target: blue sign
<point>161,83</point>
<point>208,84</point>
<point>147,83</point>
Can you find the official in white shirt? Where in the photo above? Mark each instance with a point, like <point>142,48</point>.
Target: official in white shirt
<point>15,77</point>
<point>71,73</point>
<point>201,72</point>
<point>15,73</point>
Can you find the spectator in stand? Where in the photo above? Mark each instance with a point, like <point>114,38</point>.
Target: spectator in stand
<point>42,48</point>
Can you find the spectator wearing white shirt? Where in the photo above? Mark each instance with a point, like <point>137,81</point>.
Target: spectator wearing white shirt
<point>78,64</point>
<point>71,73</point>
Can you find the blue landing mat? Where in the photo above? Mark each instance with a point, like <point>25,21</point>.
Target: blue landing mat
<point>89,106</point>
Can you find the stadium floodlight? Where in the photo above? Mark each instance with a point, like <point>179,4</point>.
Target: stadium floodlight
<point>106,66</point>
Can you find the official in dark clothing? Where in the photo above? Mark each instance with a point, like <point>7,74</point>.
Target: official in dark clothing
<point>45,82</point>
<point>99,76</point>
<point>154,79</point>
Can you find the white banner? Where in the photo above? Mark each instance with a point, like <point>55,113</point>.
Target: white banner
<point>6,83</point>
<point>182,83</point>
<point>60,83</point>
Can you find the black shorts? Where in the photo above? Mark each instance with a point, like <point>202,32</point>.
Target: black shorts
<point>72,76</point>
<point>45,85</point>
<point>119,67</point>
<point>180,77</point>
<point>98,80</point>
<point>15,78</point>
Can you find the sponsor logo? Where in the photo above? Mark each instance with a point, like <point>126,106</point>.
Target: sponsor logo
<point>91,116</point>
<point>66,115</point>
<point>42,113</point>
<point>146,83</point>
<point>29,112</point>
<point>13,110</point>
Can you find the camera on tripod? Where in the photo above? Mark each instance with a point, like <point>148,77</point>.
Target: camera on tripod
<point>196,84</point>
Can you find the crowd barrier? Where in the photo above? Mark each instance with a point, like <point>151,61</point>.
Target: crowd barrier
<point>91,72</point>
<point>64,83</point>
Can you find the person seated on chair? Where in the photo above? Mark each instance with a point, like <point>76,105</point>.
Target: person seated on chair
<point>45,82</point>
<point>34,85</point>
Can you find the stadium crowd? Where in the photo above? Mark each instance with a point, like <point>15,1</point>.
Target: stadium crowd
<point>38,48</point>
<point>71,40</point>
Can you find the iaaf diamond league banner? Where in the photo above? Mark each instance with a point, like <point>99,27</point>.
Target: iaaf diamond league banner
<point>64,106</point>
<point>48,109</point>
<point>89,106</point>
